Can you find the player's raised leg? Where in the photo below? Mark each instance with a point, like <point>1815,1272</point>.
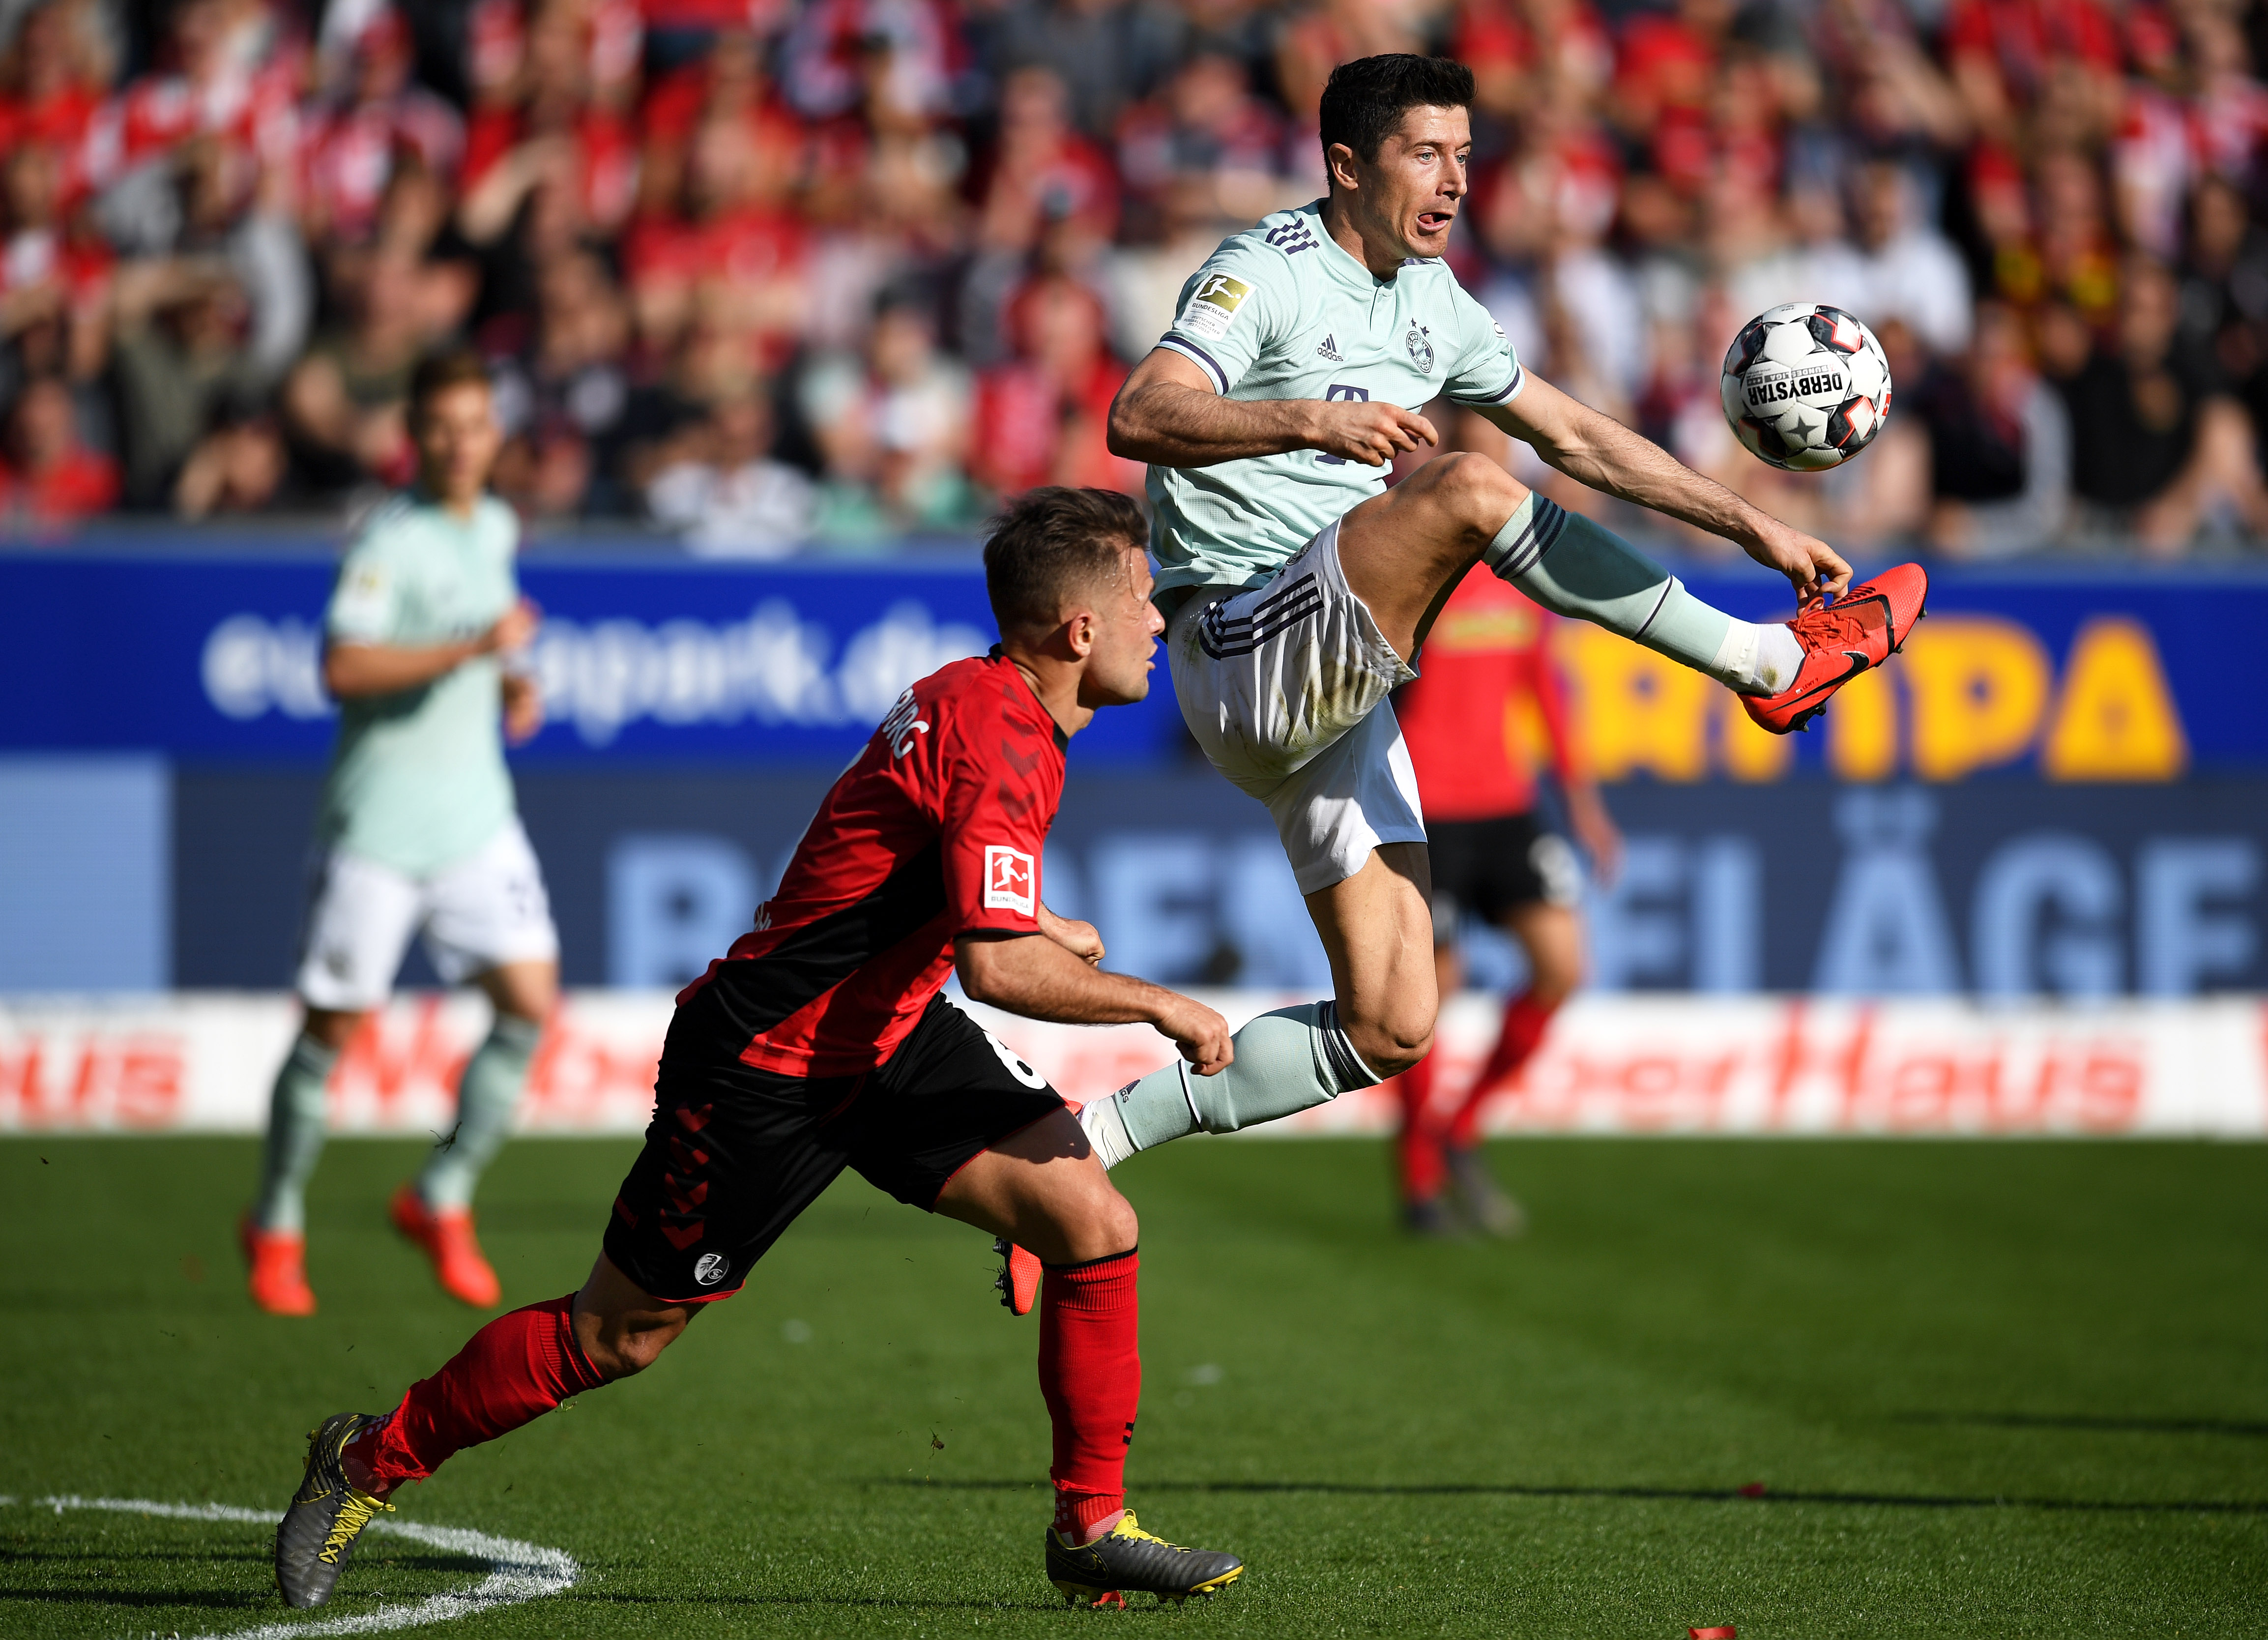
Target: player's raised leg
<point>1044,1189</point>
<point>1403,552</point>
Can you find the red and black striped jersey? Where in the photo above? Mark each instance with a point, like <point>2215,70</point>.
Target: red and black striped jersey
<point>937,830</point>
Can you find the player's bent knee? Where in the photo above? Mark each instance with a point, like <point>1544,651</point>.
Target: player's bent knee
<point>1480,493</point>
<point>623,1349</point>
<point>1098,1226</point>
<point>1118,1225</point>
<point>1390,1047</point>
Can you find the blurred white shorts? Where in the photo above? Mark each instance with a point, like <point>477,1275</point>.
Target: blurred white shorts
<point>1284,686</point>
<point>487,909</point>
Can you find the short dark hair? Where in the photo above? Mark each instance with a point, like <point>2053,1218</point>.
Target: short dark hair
<point>438,372</point>
<point>1364,100</point>
<point>1051,543</point>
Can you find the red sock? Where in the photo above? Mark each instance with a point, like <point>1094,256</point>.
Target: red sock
<point>1525,1021</point>
<point>513,1371</point>
<point>1091,1376</point>
<point>1417,1147</point>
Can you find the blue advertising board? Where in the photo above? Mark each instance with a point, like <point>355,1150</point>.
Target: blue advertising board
<point>2060,787</point>
<point>2002,888</point>
<point>219,658</point>
<point>2116,674</point>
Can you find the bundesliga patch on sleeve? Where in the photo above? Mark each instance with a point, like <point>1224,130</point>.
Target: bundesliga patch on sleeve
<point>1008,880</point>
<point>364,601</point>
<point>1213,305</point>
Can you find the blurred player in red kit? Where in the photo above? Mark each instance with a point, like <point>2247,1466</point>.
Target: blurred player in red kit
<point>1488,672</point>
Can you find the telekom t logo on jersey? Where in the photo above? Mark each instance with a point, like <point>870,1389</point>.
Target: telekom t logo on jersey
<point>1008,880</point>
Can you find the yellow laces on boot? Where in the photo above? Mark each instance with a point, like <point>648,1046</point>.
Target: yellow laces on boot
<point>1128,1527</point>
<point>354,1515</point>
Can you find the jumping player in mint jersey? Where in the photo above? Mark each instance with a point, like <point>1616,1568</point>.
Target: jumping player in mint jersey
<point>419,830</point>
<point>1298,590</point>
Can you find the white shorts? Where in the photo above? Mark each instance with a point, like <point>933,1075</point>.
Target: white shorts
<point>487,909</point>
<point>1284,686</point>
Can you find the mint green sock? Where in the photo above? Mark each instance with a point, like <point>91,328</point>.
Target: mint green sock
<point>295,1134</point>
<point>1577,568</point>
<point>486,1095</point>
<point>1286,1060</point>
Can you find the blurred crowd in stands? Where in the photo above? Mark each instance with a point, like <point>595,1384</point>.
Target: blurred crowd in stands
<point>814,275</point>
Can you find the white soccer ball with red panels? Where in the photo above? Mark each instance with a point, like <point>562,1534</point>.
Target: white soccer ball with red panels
<point>1806,387</point>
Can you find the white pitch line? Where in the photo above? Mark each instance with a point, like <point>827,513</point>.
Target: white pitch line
<point>517,1571</point>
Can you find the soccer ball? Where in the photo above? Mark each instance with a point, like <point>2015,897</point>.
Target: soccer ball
<point>1806,387</point>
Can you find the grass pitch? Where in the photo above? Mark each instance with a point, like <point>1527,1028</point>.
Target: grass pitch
<point>1983,1389</point>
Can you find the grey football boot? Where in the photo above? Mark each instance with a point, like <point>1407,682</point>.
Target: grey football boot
<point>1128,1559</point>
<point>317,1535</point>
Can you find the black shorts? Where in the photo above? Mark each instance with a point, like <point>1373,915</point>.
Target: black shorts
<point>733,1153</point>
<point>1490,866</point>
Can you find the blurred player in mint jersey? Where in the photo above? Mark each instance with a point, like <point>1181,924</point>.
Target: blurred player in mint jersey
<point>419,831</point>
<point>1488,676</point>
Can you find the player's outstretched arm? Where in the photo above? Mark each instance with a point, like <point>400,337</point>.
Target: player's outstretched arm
<point>1036,977</point>
<point>1168,415</point>
<point>1599,451</point>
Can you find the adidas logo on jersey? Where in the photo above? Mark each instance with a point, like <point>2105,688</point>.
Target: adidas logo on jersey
<point>1330,350</point>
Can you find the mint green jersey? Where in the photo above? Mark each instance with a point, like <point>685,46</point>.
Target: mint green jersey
<point>1281,310</point>
<point>418,780</point>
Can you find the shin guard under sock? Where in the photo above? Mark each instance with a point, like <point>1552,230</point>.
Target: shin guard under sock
<point>1090,1378</point>
<point>1580,569</point>
<point>295,1134</point>
<point>513,1371</point>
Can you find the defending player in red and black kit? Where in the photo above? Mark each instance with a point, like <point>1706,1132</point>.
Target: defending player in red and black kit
<point>1486,660</point>
<point>821,1042</point>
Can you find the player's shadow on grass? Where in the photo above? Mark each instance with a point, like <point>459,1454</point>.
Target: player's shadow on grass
<point>2083,1420</point>
<point>1646,1494</point>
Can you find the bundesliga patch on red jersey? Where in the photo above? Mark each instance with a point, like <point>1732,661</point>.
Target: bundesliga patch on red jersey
<point>935,833</point>
<point>1008,880</point>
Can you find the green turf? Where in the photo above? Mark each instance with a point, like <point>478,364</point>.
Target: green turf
<point>1988,1389</point>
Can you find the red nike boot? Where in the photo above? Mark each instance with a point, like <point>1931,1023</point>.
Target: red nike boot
<point>1861,628</point>
<point>447,1238</point>
<point>278,1259</point>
